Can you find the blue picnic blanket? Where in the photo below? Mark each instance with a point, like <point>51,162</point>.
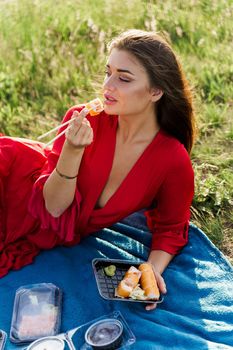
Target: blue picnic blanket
<point>197,312</point>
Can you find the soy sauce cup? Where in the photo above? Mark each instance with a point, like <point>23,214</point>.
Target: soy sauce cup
<point>105,334</point>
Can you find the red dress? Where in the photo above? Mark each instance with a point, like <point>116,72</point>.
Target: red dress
<point>161,179</point>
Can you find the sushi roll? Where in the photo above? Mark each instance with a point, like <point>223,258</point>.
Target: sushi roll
<point>94,106</point>
<point>129,282</point>
<point>148,281</point>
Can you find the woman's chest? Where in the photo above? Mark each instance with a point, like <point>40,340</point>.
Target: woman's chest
<point>114,177</point>
<point>121,167</point>
<point>124,163</point>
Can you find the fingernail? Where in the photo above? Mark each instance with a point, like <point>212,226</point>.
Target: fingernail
<point>84,111</point>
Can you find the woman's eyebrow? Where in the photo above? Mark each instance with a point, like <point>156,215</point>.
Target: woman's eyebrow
<point>121,70</point>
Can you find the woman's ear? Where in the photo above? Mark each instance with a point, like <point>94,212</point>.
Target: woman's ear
<point>156,94</point>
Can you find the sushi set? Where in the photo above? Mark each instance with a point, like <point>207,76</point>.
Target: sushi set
<point>36,317</point>
<point>109,285</point>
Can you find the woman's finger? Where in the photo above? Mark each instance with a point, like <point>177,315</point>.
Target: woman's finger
<point>77,127</point>
<point>161,283</point>
<point>78,118</point>
<point>82,131</point>
<point>81,115</point>
<point>78,122</point>
<point>150,307</point>
<point>86,121</point>
<point>84,135</point>
<point>162,287</point>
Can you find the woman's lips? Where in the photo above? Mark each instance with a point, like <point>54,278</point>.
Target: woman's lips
<point>109,100</point>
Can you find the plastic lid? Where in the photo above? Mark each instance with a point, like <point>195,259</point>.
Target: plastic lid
<point>36,313</point>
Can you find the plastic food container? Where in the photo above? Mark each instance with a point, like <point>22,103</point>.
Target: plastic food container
<point>107,284</point>
<point>36,312</point>
<point>105,334</point>
<point>89,335</point>
<point>50,343</point>
<point>3,337</point>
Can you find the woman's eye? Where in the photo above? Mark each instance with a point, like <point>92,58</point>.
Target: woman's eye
<point>124,79</point>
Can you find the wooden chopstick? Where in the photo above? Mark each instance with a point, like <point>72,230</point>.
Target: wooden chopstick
<point>54,129</point>
<point>59,135</point>
<point>84,110</point>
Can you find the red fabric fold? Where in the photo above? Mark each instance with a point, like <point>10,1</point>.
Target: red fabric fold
<point>16,255</point>
<point>21,162</point>
<point>64,225</point>
<point>169,219</point>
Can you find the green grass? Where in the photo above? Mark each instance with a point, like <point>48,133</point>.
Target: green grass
<point>52,55</point>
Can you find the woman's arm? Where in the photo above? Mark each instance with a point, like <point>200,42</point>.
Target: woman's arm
<point>160,260</point>
<point>59,189</point>
<point>169,219</point>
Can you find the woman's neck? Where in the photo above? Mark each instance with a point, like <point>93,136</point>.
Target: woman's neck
<point>133,129</point>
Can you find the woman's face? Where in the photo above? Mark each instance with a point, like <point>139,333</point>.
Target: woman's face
<point>126,86</point>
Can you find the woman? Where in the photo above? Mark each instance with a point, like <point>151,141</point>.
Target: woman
<point>134,155</point>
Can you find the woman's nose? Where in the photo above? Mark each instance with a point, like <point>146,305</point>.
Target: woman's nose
<point>109,83</point>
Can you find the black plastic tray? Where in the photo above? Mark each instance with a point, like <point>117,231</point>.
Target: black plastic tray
<point>106,285</point>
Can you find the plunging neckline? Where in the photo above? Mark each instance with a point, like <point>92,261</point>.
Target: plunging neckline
<point>131,171</point>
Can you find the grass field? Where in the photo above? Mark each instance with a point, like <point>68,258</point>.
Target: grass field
<point>52,55</point>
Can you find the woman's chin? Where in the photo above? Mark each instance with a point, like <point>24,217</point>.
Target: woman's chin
<point>110,110</point>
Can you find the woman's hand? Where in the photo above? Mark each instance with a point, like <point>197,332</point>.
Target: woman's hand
<point>79,133</point>
<point>161,285</point>
<point>159,260</point>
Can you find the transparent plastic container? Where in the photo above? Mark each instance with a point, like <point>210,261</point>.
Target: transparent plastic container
<point>105,334</point>
<point>36,312</point>
<point>77,338</point>
<point>3,337</point>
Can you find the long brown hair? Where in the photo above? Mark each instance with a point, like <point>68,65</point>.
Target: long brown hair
<point>174,109</point>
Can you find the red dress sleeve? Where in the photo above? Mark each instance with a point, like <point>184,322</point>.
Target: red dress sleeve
<point>169,220</point>
<point>64,225</point>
